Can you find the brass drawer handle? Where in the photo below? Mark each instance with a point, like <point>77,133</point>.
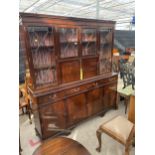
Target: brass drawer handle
<point>74,90</point>
<point>95,84</point>
<point>52,96</point>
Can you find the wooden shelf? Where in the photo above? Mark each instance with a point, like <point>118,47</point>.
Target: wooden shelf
<point>91,41</point>
<point>44,67</point>
<point>68,42</point>
<point>34,47</point>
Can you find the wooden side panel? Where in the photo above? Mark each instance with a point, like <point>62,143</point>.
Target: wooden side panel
<point>109,95</point>
<point>53,118</point>
<point>36,118</point>
<point>70,71</point>
<point>76,107</point>
<point>94,103</point>
<point>89,67</point>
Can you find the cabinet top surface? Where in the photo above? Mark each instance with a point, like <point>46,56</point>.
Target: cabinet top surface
<point>54,89</point>
<point>33,15</point>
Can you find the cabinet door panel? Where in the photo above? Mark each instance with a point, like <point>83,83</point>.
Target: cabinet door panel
<point>53,118</point>
<point>109,95</point>
<point>105,50</point>
<point>94,103</point>
<point>89,67</point>
<point>68,39</point>
<point>42,51</point>
<point>70,71</point>
<point>76,108</point>
<point>88,42</point>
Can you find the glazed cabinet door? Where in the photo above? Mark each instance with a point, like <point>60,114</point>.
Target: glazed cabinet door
<point>89,41</point>
<point>68,40</point>
<point>109,95</point>
<point>42,55</point>
<point>69,64</point>
<point>53,118</point>
<point>76,109</point>
<point>105,53</point>
<point>89,52</point>
<point>94,104</point>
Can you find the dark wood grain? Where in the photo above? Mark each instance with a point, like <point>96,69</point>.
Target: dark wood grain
<point>80,90</point>
<point>61,146</point>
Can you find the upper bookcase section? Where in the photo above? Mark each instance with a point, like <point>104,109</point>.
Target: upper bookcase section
<point>64,49</point>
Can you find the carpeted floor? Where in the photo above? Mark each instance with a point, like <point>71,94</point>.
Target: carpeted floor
<point>84,133</point>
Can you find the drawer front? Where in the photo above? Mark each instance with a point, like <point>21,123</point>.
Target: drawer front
<point>107,80</point>
<point>51,97</point>
<point>78,89</point>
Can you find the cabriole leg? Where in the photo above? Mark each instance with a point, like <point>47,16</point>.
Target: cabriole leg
<point>98,134</point>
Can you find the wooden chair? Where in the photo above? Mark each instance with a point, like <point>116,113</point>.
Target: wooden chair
<point>120,128</point>
<point>125,93</point>
<point>24,101</point>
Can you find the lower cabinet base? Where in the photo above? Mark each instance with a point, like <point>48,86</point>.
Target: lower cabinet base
<point>59,111</point>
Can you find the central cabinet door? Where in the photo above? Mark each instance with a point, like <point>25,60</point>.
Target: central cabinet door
<point>89,66</point>
<point>76,109</point>
<point>69,63</point>
<point>94,103</point>
<point>89,52</point>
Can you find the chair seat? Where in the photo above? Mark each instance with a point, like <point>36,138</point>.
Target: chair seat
<point>119,128</point>
<point>127,91</point>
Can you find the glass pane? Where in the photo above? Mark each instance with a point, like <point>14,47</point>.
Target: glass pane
<point>42,48</point>
<point>69,42</point>
<point>105,50</point>
<point>40,36</point>
<point>88,42</point>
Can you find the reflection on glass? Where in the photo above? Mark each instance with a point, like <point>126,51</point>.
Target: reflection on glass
<point>45,76</point>
<point>88,42</point>
<point>69,42</point>
<point>105,50</point>
<point>40,36</point>
<point>42,48</point>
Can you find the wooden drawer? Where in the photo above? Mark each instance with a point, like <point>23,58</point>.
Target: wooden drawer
<point>51,97</point>
<point>107,80</point>
<point>78,89</point>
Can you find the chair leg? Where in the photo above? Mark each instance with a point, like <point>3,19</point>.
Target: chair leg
<point>128,147</point>
<point>29,112</point>
<point>20,149</point>
<point>126,103</point>
<point>30,117</point>
<point>118,100</point>
<point>98,134</point>
<point>126,150</point>
<point>23,110</point>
